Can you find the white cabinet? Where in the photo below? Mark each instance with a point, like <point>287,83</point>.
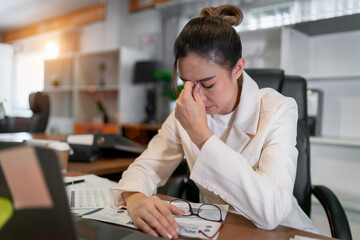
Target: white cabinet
<point>6,66</point>
<point>80,85</point>
<point>327,54</point>
<point>330,62</point>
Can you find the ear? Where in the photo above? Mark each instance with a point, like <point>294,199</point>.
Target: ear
<point>238,69</point>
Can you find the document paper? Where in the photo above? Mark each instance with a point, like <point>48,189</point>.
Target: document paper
<point>90,194</point>
<point>189,225</point>
<point>89,198</point>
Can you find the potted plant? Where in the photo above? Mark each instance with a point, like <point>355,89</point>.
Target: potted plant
<point>2,110</point>
<point>166,77</point>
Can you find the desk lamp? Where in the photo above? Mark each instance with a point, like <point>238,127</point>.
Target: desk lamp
<point>144,72</point>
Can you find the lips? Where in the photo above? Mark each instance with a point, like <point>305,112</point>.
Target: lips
<point>208,107</point>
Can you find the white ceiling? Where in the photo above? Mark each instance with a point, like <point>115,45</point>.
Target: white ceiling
<point>20,13</point>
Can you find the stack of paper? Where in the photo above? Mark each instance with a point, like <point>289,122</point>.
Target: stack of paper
<point>88,195</point>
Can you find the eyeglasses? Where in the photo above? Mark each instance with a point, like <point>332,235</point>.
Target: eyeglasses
<point>208,212</point>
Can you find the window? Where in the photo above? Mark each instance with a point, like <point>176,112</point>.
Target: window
<point>29,72</point>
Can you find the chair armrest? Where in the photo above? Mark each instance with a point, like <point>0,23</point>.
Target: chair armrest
<point>338,221</point>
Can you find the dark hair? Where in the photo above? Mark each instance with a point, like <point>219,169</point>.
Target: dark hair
<point>212,37</point>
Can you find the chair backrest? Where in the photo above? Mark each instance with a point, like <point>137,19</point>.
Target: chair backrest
<point>267,78</point>
<point>295,87</point>
<point>40,105</point>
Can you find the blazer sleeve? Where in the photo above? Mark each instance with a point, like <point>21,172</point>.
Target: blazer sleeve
<point>154,166</point>
<point>263,195</point>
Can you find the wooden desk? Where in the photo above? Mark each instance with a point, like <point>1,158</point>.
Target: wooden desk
<point>237,227</point>
<point>102,166</point>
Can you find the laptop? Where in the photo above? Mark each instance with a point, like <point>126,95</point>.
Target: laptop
<point>54,221</point>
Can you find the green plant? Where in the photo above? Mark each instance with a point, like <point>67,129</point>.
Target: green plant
<point>2,109</point>
<point>166,77</point>
<point>2,103</point>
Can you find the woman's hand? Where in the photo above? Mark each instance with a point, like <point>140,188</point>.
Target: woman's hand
<point>190,112</point>
<point>152,215</point>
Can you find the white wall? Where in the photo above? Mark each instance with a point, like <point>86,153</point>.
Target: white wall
<point>6,73</point>
<point>337,167</point>
<point>336,53</point>
<point>122,28</point>
<point>119,28</point>
<point>139,30</point>
<point>341,107</point>
<point>102,35</point>
<point>262,48</point>
<point>330,63</point>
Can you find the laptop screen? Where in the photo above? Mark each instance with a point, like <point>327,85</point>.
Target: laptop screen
<point>46,215</point>
<point>28,170</point>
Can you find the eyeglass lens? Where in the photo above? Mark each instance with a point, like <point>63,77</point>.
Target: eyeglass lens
<point>205,211</point>
<point>209,212</point>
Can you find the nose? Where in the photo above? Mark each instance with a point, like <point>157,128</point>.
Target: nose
<point>202,95</point>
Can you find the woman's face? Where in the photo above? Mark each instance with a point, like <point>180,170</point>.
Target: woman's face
<point>219,88</point>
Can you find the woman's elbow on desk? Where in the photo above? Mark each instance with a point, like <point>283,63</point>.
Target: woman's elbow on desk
<point>270,221</point>
<point>269,216</point>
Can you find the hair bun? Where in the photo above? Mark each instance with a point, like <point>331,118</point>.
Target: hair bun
<point>229,13</point>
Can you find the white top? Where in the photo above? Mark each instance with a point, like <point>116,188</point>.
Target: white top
<point>251,165</point>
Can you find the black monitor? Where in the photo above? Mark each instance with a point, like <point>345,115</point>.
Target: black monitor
<point>145,73</point>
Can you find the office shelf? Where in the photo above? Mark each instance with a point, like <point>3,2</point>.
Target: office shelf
<point>82,85</point>
<point>63,88</point>
<point>351,76</point>
<point>335,141</point>
<point>330,25</point>
<point>98,88</point>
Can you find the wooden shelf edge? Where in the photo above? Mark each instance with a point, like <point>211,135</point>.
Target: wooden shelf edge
<point>335,141</point>
<point>354,76</point>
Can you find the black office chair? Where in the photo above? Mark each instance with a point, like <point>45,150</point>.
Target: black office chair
<point>40,105</point>
<point>267,77</point>
<point>295,87</point>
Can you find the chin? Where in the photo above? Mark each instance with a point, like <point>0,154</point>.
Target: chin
<point>211,111</point>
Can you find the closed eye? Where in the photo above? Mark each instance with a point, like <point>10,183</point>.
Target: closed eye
<point>209,86</point>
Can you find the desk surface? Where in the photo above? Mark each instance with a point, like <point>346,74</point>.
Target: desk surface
<point>238,227</point>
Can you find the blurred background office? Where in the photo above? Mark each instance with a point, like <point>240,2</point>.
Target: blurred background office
<point>82,54</point>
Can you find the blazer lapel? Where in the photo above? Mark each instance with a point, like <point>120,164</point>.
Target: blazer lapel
<point>237,139</point>
<point>247,115</point>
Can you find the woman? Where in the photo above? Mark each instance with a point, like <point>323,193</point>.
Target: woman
<point>239,141</point>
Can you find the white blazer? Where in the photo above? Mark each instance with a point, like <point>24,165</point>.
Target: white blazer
<point>253,171</point>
